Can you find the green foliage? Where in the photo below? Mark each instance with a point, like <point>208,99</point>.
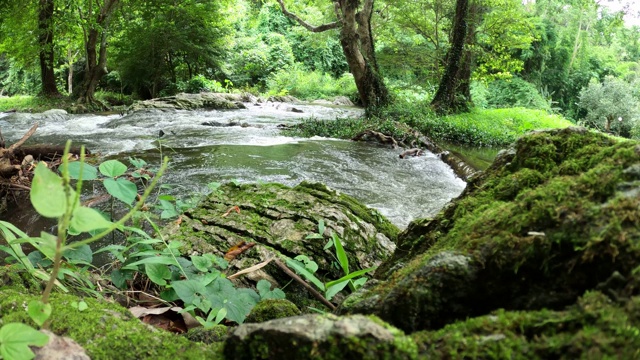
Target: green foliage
<point>199,84</point>
<point>15,339</point>
<point>610,106</point>
<point>515,92</point>
<point>307,85</point>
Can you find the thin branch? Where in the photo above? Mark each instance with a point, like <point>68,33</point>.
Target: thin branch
<point>297,278</point>
<point>24,138</point>
<point>306,25</point>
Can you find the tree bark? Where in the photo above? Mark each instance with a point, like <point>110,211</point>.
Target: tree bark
<point>45,41</point>
<point>356,39</point>
<point>447,99</point>
<point>96,33</point>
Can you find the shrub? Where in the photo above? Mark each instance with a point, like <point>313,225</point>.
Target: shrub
<point>199,84</point>
<point>610,106</point>
<point>307,85</point>
<point>515,92</point>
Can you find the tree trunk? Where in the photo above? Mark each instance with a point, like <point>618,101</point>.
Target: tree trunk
<point>45,41</point>
<point>447,99</point>
<point>96,34</point>
<point>357,44</point>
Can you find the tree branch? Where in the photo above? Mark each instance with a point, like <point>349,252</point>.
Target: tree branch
<point>297,278</point>
<point>306,25</point>
<point>26,136</point>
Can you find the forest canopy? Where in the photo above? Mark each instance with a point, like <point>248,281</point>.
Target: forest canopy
<point>552,55</point>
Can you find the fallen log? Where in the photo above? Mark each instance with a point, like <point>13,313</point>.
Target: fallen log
<point>47,152</point>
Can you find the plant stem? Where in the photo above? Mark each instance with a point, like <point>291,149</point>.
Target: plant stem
<point>297,278</point>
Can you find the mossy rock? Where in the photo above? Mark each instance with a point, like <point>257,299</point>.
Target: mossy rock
<point>319,337</point>
<point>594,328</point>
<point>553,217</point>
<point>271,309</point>
<point>216,334</point>
<point>279,219</point>
<point>105,330</point>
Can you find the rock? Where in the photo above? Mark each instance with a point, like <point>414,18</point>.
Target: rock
<point>184,101</point>
<point>216,334</point>
<point>283,99</point>
<point>342,101</point>
<point>321,102</point>
<point>54,115</point>
<point>271,309</point>
<point>319,337</point>
<point>279,219</point>
<point>60,348</point>
<point>553,217</point>
<point>295,110</point>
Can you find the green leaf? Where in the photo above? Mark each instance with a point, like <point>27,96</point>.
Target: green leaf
<point>328,245</point>
<point>79,254</point>
<point>342,256</point>
<point>121,189</point>
<point>335,288</point>
<point>201,263</point>
<point>113,168</point>
<point>15,339</point>
<point>119,278</point>
<point>38,311</point>
<point>309,264</point>
<point>82,305</point>
<point>158,273</point>
<point>167,260</point>
<point>87,219</point>
<point>321,227</point>
<point>88,172</point>
<point>47,193</point>
<point>188,290</point>
<point>264,289</point>
<point>137,163</point>
<point>37,259</point>
<point>359,282</point>
<point>301,270</point>
<point>352,275</point>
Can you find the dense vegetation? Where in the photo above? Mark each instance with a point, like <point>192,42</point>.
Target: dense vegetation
<point>576,58</point>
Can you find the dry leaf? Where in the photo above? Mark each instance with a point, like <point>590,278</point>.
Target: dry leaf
<point>233,208</point>
<point>238,249</point>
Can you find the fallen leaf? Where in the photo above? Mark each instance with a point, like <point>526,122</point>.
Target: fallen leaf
<point>233,208</point>
<point>238,249</point>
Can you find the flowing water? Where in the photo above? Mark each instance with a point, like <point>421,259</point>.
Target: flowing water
<point>402,190</point>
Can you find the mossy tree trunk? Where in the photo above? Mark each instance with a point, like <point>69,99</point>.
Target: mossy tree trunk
<point>447,98</point>
<point>96,30</point>
<point>356,39</point>
<point>45,41</point>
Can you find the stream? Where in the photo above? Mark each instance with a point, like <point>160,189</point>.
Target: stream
<point>402,190</point>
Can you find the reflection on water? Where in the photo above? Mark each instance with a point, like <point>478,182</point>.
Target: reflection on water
<point>401,189</point>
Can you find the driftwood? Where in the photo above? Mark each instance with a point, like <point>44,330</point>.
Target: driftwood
<point>370,135</point>
<point>7,155</point>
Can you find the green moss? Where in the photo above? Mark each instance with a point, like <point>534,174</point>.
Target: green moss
<point>271,309</point>
<point>594,328</point>
<point>217,334</point>
<point>105,330</point>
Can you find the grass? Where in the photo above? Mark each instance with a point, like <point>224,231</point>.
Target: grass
<point>312,85</point>
<point>33,104</point>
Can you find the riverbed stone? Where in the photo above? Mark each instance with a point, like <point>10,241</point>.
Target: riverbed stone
<point>280,220</point>
<point>205,100</point>
<point>557,216</point>
<point>319,337</point>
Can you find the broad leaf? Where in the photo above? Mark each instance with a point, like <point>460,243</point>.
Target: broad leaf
<point>158,273</point>
<point>300,269</point>
<point>38,311</point>
<point>15,339</point>
<point>264,289</point>
<point>113,168</point>
<point>167,260</point>
<point>87,219</point>
<point>335,288</point>
<point>82,254</point>
<point>47,193</point>
<point>201,263</point>
<point>188,290</point>
<point>121,189</point>
<point>88,172</point>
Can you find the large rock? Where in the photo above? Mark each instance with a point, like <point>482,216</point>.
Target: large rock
<point>279,219</point>
<point>184,101</point>
<point>553,217</point>
<point>319,337</point>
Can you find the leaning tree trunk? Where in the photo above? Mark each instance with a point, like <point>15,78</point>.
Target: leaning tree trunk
<point>358,47</point>
<point>357,44</point>
<point>96,35</point>
<point>45,41</point>
<point>447,99</point>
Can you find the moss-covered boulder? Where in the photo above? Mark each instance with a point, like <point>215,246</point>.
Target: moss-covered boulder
<point>319,337</point>
<point>279,219</point>
<point>594,328</point>
<point>184,101</point>
<point>105,330</point>
<point>271,309</point>
<point>553,217</point>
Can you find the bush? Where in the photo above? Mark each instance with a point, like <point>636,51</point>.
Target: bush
<point>307,85</point>
<point>199,84</point>
<point>514,92</point>
<point>256,57</point>
<point>611,106</point>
